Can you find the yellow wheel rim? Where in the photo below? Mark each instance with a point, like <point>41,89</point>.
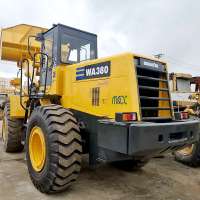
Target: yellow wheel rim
<point>187,150</point>
<point>37,148</point>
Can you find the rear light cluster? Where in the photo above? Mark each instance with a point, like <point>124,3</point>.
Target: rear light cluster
<point>184,115</point>
<point>181,115</point>
<point>125,117</point>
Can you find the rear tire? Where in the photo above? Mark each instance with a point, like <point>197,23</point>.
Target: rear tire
<point>63,148</point>
<point>191,158</point>
<point>130,165</point>
<point>11,131</point>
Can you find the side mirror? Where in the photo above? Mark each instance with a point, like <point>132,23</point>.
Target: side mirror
<point>39,37</point>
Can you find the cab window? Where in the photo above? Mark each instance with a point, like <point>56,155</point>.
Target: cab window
<point>48,48</point>
<point>74,50</point>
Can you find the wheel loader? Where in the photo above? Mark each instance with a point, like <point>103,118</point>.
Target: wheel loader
<point>116,109</point>
<point>185,96</point>
<point>5,89</point>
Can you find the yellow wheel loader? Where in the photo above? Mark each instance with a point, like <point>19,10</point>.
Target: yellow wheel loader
<point>116,109</point>
<point>3,98</point>
<point>5,89</point>
<point>186,101</point>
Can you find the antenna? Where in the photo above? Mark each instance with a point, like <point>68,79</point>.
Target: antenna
<point>159,55</point>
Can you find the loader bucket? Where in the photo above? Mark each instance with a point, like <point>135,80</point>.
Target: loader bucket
<point>14,42</point>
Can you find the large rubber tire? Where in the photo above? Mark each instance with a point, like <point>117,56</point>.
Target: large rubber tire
<point>11,131</point>
<point>63,148</point>
<point>130,165</point>
<point>192,158</point>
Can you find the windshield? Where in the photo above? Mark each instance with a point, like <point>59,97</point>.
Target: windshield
<point>74,49</point>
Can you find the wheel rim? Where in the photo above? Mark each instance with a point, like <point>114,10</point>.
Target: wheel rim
<point>187,150</point>
<point>37,148</point>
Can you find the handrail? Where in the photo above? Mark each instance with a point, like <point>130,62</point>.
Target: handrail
<point>41,63</point>
<point>21,69</point>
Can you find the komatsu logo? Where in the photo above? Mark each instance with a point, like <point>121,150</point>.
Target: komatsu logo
<point>93,71</point>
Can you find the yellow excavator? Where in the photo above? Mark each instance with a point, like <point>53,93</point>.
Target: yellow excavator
<point>70,102</point>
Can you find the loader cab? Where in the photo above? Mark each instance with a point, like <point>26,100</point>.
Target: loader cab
<point>66,45</point>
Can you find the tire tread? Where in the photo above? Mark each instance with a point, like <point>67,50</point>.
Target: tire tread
<point>13,143</point>
<point>65,147</point>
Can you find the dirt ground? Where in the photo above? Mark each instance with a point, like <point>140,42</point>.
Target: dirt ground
<point>160,179</point>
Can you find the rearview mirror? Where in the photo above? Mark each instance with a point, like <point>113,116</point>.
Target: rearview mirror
<point>39,37</point>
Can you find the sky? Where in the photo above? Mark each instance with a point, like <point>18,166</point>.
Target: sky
<point>147,27</point>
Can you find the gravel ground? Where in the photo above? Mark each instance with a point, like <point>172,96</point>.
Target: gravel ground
<point>160,179</point>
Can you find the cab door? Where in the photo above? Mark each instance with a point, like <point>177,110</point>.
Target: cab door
<point>47,60</point>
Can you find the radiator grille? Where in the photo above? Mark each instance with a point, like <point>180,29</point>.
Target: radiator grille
<point>153,90</point>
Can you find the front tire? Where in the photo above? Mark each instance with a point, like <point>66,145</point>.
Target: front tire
<point>11,131</point>
<point>59,146</point>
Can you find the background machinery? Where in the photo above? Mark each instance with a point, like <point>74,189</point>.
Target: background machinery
<point>116,109</point>
<point>186,98</point>
<point>181,90</point>
<point>5,89</point>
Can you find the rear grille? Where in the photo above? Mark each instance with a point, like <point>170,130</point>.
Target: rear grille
<point>153,90</point>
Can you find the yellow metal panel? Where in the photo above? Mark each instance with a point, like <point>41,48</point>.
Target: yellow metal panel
<point>16,110</point>
<point>121,83</point>
<point>57,80</point>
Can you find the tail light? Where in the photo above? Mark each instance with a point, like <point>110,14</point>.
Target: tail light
<point>184,115</point>
<point>181,115</point>
<point>125,117</point>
